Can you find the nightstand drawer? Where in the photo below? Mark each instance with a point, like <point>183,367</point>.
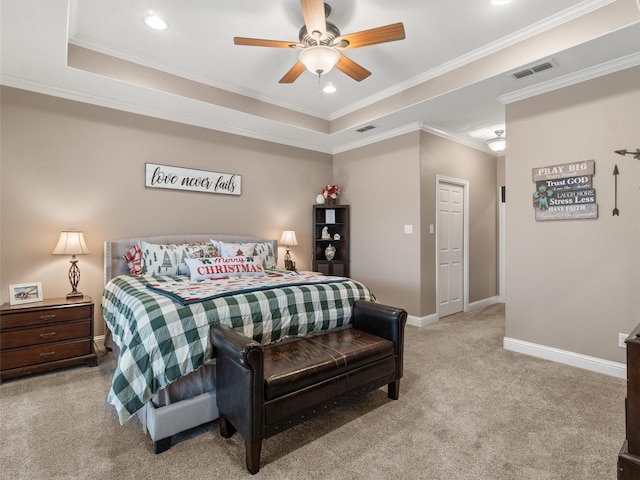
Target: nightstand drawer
<point>46,353</point>
<point>46,316</point>
<point>47,334</point>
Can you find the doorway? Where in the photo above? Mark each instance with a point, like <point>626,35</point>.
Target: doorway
<point>452,227</point>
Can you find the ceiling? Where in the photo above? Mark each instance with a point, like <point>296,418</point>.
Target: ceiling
<point>450,75</point>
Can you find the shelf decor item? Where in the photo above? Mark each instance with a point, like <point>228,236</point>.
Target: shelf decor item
<point>320,199</point>
<point>330,252</point>
<point>330,215</point>
<point>72,243</point>
<point>331,193</point>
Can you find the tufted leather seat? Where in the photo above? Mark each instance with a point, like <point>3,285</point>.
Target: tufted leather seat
<point>296,364</point>
<point>264,389</point>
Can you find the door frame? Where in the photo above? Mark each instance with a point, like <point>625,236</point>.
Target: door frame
<point>465,240</point>
<point>502,241</point>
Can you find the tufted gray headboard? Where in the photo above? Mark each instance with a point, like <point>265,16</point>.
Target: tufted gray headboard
<point>114,265</point>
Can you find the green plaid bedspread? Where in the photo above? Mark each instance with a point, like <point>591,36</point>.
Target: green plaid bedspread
<point>161,340</point>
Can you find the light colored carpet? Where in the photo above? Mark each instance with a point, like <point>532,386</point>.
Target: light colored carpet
<point>468,409</point>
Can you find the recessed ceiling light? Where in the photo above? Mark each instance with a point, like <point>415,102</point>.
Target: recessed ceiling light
<point>155,22</point>
<point>329,88</point>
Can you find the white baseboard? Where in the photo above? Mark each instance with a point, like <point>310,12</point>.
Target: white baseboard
<point>433,318</point>
<point>99,341</point>
<point>483,303</point>
<point>422,321</point>
<point>586,362</point>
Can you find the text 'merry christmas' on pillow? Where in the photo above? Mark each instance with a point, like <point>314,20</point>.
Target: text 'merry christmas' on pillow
<point>219,267</point>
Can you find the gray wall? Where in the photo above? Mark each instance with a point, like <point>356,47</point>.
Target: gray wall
<point>392,184</point>
<point>382,184</point>
<point>71,165</point>
<point>575,284</point>
<point>444,157</point>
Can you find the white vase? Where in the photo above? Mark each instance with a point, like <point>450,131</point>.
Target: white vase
<point>330,252</point>
<point>320,199</point>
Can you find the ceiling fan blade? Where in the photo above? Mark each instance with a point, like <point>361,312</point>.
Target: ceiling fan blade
<point>259,42</point>
<point>388,33</point>
<point>293,74</point>
<point>351,68</point>
<point>314,19</point>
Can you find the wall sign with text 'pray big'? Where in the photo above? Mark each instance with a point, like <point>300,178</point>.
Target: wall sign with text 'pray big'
<point>565,191</point>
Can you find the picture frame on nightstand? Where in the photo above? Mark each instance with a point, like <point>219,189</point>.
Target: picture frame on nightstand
<point>20,293</point>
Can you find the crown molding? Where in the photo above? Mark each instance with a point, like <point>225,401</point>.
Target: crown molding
<point>129,56</point>
<point>47,89</point>
<point>410,127</point>
<point>531,31</point>
<point>193,120</point>
<point>567,15</point>
<point>458,139</point>
<point>606,68</point>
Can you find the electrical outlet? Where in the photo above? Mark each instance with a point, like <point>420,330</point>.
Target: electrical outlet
<point>621,338</point>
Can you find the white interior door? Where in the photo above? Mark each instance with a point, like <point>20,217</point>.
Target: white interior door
<point>450,248</point>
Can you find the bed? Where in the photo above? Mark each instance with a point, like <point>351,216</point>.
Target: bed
<point>158,319</point>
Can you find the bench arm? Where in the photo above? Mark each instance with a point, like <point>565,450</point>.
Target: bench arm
<point>239,380</point>
<point>235,346</point>
<point>383,321</point>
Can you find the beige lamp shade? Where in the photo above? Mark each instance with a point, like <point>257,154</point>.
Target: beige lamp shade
<point>71,243</point>
<point>288,238</point>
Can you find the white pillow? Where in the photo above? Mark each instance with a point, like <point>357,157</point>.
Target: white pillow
<point>264,250</point>
<point>208,250</point>
<point>158,259</point>
<point>219,267</point>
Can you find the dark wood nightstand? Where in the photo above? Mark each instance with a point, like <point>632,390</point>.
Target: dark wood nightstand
<point>54,333</point>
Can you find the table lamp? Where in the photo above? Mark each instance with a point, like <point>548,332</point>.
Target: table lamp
<point>288,239</point>
<point>72,243</point>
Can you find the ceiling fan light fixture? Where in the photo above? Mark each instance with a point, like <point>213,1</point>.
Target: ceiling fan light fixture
<point>499,143</point>
<point>319,59</point>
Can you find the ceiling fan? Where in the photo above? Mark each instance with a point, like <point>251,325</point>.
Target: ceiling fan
<point>320,42</point>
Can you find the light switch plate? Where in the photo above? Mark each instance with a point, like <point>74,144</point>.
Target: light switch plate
<point>621,338</point>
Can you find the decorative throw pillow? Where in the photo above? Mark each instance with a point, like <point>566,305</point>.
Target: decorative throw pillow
<point>168,259</point>
<point>133,257</point>
<point>208,250</point>
<point>219,267</point>
<point>264,250</point>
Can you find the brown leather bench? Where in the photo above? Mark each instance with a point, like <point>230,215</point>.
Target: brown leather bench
<point>265,389</point>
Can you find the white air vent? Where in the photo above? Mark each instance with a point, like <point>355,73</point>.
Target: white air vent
<point>537,68</point>
<point>364,129</point>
